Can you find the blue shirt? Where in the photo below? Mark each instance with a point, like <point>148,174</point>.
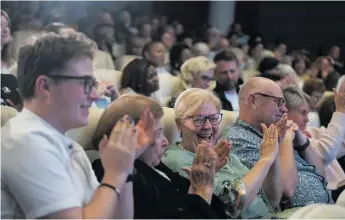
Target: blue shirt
<point>311,186</point>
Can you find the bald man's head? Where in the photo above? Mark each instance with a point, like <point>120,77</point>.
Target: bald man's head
<point>132,105</point>
<point>258,84</point>
<point>261,101</point>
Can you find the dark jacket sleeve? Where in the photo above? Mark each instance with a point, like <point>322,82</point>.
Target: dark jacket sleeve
<point>151,203</point>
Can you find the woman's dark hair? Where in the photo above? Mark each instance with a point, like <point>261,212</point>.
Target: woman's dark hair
<point>175,56</point>
<point>182,36</point>
<point>6,50</point>
<point>326,110</point>
<point>134,76</point>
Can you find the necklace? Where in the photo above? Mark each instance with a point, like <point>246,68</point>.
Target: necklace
<point>179,145</point>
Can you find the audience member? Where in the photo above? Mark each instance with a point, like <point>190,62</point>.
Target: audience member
<point>326,141</point>
<point>185,38</point>
<point>41,167</point>
<point>140,76</point>
<point>246,193</point>
<point>179,54</point>
<point>158,191</point>
<point>145,30</point>
<point>154,52</point>
<point>227,75</point>
<point>315,89</point>
<point>201,49</point>
<point>326,72</point>
<point>300,66</point>
<point>196,72</point>
<point>262,101</point>
<point>8,64</point>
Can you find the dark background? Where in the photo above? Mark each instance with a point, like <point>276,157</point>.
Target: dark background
<point>303,24</point>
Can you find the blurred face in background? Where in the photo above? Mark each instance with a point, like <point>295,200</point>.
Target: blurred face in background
<point>146,30</point>
<point>5,31</point>
<point>167,40</point>
<point>157,54</point>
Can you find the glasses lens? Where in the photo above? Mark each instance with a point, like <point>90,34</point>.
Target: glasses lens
<point>215,119</point>
<point>199,120</point>
<point>90,83</point>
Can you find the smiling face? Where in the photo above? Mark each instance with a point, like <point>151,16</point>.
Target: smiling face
<point>193,134</point>
<point>153,155</point>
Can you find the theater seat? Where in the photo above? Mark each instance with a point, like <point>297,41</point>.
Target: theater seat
<point>7,113</point>
<point>112,76</point>
<point>122,61</point>
<point>84,135</point>
<point>169,85</point>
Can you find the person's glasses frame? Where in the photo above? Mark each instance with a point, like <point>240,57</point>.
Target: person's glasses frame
<point>280,101</point>
<point>199,120</point>
<point>89,81</point>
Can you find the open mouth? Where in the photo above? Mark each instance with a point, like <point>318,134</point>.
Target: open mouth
<point>206,137</point>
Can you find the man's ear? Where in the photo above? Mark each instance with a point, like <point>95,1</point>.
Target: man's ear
<point>42,85</point>
<point>251,101</point>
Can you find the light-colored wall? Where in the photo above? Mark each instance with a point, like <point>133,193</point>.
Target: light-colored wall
<point>222,14</point>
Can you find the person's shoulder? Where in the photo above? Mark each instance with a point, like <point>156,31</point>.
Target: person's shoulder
<point>175,158</point>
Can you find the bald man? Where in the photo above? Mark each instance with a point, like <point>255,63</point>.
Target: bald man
<point>261,101</point>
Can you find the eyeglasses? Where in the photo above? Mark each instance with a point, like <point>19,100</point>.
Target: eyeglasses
<point>280,101</point>
<point>199,120</point>
<point>89,81</point>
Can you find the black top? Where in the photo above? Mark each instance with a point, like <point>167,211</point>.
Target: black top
<point>226,105</point>
<point>157,197</point>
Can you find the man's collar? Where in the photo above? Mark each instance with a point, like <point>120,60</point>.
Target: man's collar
<point>248,127</point>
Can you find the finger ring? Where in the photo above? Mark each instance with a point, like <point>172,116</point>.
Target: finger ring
<point>208,165</point>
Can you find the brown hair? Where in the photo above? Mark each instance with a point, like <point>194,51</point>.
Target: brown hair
<point>313,85</point>
<point>132,105</point>
<point>6,55</point>
<point>48,55</point>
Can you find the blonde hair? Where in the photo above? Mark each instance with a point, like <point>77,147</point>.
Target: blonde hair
<point>193,68</point>
<point>294,97</point>
<point>192,99</point>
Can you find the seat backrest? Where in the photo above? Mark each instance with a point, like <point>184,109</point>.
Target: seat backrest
<point>112,76</point>
<point>7,113</point>
<point>122,61</point>
<point>169,85</point>
<point>83,136</point>
<point>171,131</point>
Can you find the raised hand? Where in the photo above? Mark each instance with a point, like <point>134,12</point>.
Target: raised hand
<point>202,172</point>
<point>222,150</point>
<point>119,151</point>
<point>146,132</point>
<point>107,89</point>
<point>292,129</point>
<point>269,147</point>
<point>282,127</point>
<point>339,98</point>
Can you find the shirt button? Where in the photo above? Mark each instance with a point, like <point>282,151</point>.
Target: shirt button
<point>70,147</point>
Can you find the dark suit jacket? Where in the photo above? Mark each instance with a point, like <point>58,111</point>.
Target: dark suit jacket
<point>156,197</point>
<point>226,105</point>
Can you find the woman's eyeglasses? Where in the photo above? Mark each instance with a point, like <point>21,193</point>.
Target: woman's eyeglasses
<point>199,120</point>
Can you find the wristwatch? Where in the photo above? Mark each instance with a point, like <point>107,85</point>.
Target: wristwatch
<point>303,147</point>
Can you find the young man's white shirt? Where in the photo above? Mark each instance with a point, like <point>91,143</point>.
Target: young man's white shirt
<point>43,171</point>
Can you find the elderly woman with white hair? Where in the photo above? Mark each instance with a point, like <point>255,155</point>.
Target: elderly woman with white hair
<point>243,191</point>
<point>328,143</point>
<point>201,49</point>
<point>196,72</point>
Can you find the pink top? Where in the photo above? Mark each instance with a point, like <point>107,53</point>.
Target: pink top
<point>329,144</point>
